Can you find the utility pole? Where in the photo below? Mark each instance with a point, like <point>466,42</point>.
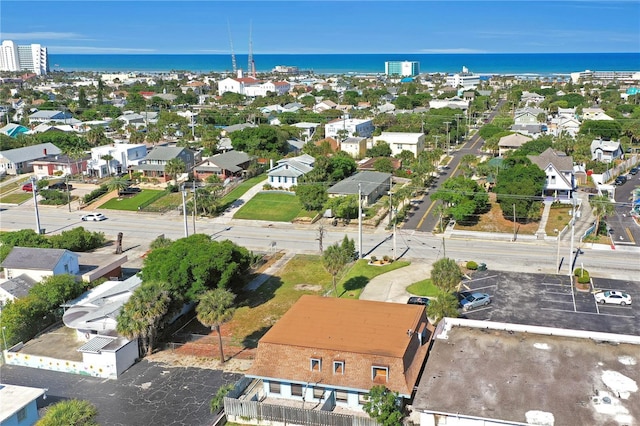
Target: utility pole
<point>437,137</point>
<point>448,141</point>
<point>360,255</point>
<point>195,204</point>
<point>34,190</point>
<point>184,211</point>
<point>514,222</point>
<point>573,224</point>
<point>558,252</point>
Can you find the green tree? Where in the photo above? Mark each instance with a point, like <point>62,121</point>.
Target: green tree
<point>349,247</point>
<point>83,103</point>
<point>217,401</point>
<point>445,305</point>
<point>213,309</point>
<point>520,185</point>
<point>136,102</point>
<point>258,140</point>
<point>118,184</point>
<point>174,167</point>
<point>380,149</point>
<point>383,164</point>
<point>312,196</point>
<point>144,314</point>
<point>463,198</point>
<point>71,412</point>
<point>382,405</point>
<point>446,274</point>
<point>601,206</point>
<point>334,259</point>
<point>341,165</point>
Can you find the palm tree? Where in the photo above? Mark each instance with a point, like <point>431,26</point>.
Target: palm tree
<point>174,167</point>
<point>601,206</point>
<point>118,184</point>
<point>143,314</point>
<point>214,308</point>
<point>107,158</point>
<point>334,260</point>
<point>445,305</point>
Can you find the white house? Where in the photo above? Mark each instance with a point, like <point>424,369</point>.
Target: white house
<point>307,129</point>
<point>122,156</point>
<point>287,171</point>
<point>531,98</point>
<point>465,79</point>
<point>455,102</point>
<point>558,167</point>
<point>595,114</point>
<point>352,126</point>
<point>277,87</point>
<point>239,84</point>
<point>402,141</point>
<point>605,151</point>
<point>47,116</point>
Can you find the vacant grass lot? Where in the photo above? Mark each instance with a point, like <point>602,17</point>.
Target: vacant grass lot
<point>559,217</point>
<point>493,221</point>
<point>163,204</point>
<point>272,206</point>
<point>130,203</point>
<point>240,190</point>
<point>15,198</point>
<point>424,288</point>
<point>304,274</point>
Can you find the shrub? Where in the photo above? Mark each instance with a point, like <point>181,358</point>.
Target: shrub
<point>374,259</point>
<point>471,265</point>
<point>96,193</point>
<point>52,197</point>
<point>582,275</point>
<point>386,258</point>
<point>585,279</point>
<point>78,239</point>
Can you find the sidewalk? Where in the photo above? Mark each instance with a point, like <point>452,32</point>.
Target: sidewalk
<point>269,272</point>
<point>227,215</point>
<point>392,286</point>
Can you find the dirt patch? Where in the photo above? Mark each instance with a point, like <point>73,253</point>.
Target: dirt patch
<point>494,221</point>
<point>309,287</point>
<point>175,358</point>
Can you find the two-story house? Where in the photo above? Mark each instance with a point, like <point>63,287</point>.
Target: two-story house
<point>402,141</point>
<point>331,351</point>
<point>558,167</point>
<point>512,142</point>
<point>605,151</point>
<point>115,158</point>
<point>348,127</point>
<point>153,165</point>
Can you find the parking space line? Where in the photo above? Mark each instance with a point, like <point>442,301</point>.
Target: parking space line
<point>480,279</point>
<point>588,313</point>
<point>554,284</point>
<point>486,286</point>
<point>477,309</point>
<point>564,293</point>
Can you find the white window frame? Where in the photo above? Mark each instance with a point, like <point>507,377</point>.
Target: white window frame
<point>338,367</point>
<point>313,362</point>
<point>374,368</point>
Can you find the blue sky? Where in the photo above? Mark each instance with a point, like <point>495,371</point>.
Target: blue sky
<point>384,26</point>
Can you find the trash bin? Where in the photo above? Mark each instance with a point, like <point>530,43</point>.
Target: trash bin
<point>482,267</point>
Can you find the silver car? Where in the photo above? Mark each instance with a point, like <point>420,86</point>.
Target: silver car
<point>94,216</point>
<point>475,300</point>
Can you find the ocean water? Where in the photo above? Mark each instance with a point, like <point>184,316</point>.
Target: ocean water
<point>508,63</point>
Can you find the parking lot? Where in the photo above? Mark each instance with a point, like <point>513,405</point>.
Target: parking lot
<point>550,301</point>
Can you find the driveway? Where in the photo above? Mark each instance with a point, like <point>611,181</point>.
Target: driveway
<point>392,286</point>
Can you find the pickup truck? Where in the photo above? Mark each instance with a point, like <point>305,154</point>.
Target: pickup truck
<point>132,190</point>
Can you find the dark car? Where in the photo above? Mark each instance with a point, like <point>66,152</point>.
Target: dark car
<point>620,180</point>
<point>415,300</point>
<point>132,190</point>
<point>61,186</point>
<point>633,171</point>
<point>463,295</point>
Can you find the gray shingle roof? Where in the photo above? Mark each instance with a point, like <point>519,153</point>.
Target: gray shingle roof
<point>34,258</point>
<point>230,160</point>
<point>561,162</point>
<point>18,286</point>
<point>29,153</point>
<point>369,182</point>
<point>164,153</point>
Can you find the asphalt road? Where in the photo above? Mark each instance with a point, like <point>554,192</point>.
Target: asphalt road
<point>625,230</point>
<point>147,394</point>
<point>424,217</point>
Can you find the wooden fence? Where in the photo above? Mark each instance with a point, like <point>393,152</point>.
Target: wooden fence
<point>290,415</point>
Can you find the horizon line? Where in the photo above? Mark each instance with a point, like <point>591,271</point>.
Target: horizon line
<point>354,53</point>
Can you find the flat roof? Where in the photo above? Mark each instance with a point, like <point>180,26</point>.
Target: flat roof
<point>14,398</point>
<point>522,377</point>
<point>358,326</point>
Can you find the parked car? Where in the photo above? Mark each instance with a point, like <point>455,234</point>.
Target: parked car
<point>61,186</point>
<point>28,187</point>
<point>132,190</point>
<point>614,297</point>
<point>475,300</point>
<point>463,295</point>
<point>415,300</point>
<point>620,180</point>
<point>633,171</point>
<point>94,217</point>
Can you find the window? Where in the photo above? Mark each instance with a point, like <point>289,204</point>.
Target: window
<point>274,387</point>
<point>362,398</point>
<point>379,374</point>
<point>318,393</point>
<point>341,396</point>
<point>316,364</point>
<point>338,367</point>
<point>553,178</point>
<point>296,390</point>
<point>22,414</point>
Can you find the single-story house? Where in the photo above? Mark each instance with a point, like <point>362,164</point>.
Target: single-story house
<point>605,151</point>
<point>46,116</point>
<point>350,127</point>
<point>38,263</point>
<point>59,165</point>
<point>331,351</point>
<point>372,186</point>
<point>287,171</point>
<point>225,165</point>
<point>558,167</point>
<point>13,130</point>
<point>19,405</point>
<point>482,373</point>
<point>512,142</point>
<point>18,161</point>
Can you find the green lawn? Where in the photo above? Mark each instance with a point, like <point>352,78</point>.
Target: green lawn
<point>273,206</point>
<point>240,190</point>
<point>130,203</point>
<point>15,197</point>
<point>6,187</point>
<point>304,274</point>
<point>355,279</point>
<point>163,204</point>
<point>424,288</point>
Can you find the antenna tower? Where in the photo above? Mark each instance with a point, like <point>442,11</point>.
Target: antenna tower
<point>233,55</point>
<point>252,65</point>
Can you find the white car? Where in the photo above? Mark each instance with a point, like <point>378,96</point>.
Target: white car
<point>94,216</point>
<point>614,297</point>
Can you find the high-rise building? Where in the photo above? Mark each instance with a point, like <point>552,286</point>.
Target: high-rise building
<point>30,57</point>
<point>402,68</point>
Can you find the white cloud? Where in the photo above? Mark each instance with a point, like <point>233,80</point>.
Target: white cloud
<point>97,50</point>
<point>43,35</point>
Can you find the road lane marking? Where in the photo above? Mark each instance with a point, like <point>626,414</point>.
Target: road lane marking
<point>630,235</point>
<point>433,204</point>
